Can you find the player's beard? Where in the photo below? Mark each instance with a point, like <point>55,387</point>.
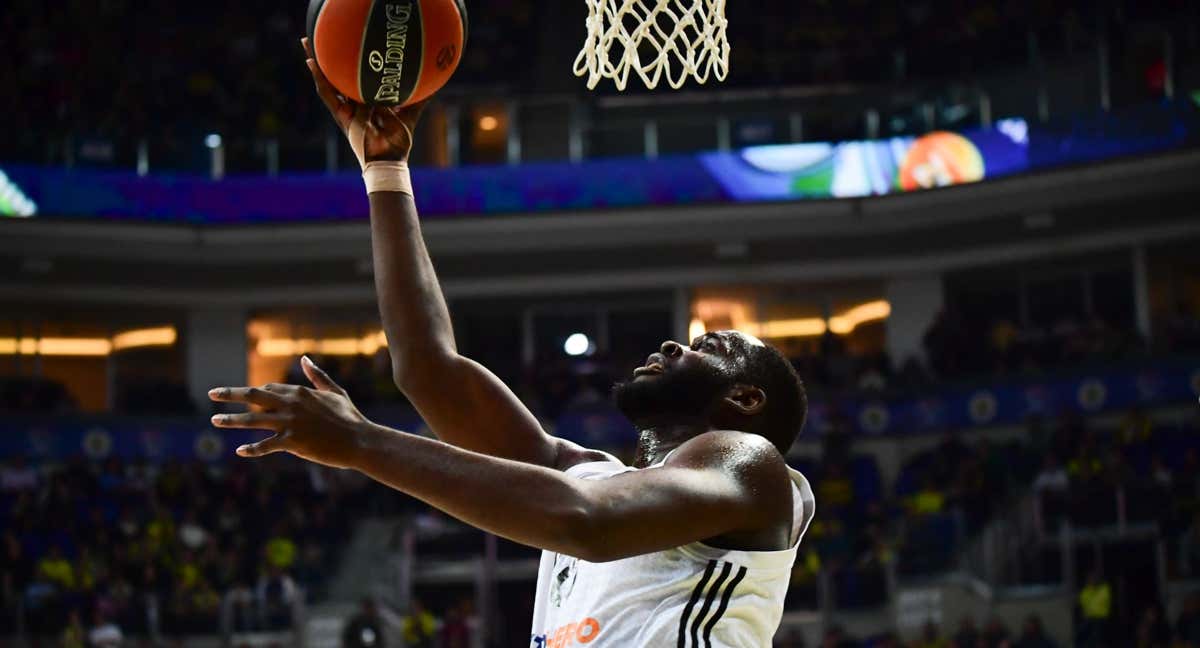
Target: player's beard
<point>679,396</point>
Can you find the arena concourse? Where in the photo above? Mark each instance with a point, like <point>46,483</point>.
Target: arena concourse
<point>971,228</point>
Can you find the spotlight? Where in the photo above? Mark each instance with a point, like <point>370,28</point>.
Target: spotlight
<point>578,344</point>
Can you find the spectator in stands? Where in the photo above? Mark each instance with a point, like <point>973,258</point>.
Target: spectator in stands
<point>967,635</point>
<point>878,552</point>
<point>281,549</point>
<point>1087,464</point>
<point>1136,428</point>
<point>54,569</point>
<point>931,637</point>
<point>1153,630</point>
<point>875,374</point>
<point>73,634</point>
<point>995,635</point>
<point>105,633</point>
<point>365,629</point>
<point>1095,611</point>
<point>16,571</point>
<point>972,490</point>
<point>277,594</point>
<point>789,638</point>
<point>18,476</point>
<point>835,489</point>
<point>802,591</point>
<point>835,444</point>
<point>1183,329</point>
<point>1033,635</point>
<point>945,344</point>
<point>1189,549</point>
<point>1052,478</point>
<point>948,457</point>
<point>836,637</point>
<point>1160,474</point>
<point>832,543</point>
<point>1069,434</point>
<point>1187,485</point>
<point>191,534</point>
<point>1003,339</point>
<point>887,640</point>
<point>1187,627</point>
<point>455,631</point>
<point>1118,472</point>
<point>419,627</point>
<point>929,500</point>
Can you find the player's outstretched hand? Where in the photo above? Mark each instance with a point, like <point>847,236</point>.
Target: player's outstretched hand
<point>320,425</point>
<point>386,133</point>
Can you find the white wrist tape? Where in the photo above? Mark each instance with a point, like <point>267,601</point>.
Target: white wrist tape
<point>357,135</point>
<point>387,175</point>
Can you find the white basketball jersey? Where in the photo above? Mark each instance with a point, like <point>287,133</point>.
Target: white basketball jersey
<point>694,596</point>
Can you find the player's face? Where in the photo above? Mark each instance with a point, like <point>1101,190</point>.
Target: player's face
<point>680,383</point>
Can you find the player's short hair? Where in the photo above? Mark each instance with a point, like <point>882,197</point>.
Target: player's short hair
<point>787,401</point>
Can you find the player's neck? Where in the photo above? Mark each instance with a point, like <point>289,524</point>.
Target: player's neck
<point>655,442</point>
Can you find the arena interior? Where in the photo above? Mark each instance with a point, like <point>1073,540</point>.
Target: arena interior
<point>972,227</point>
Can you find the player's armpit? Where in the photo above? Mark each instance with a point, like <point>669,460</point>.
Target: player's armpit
<point>463,403</point>
<point>716,484</point>
<point>468,406</point>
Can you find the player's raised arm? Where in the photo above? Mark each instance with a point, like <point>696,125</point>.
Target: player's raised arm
<point>463,403</point>
<point>715,484</point>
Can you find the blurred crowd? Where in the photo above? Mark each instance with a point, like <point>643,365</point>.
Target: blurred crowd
<point>955,349</point>
<point>114,546</point>
<point>1152,629</point>
<point>953,346</point>
<point>188,547</point>
<point>240,72</point>
<point>1094,477</point>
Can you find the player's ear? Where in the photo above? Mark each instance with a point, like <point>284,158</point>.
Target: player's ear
<point>746,400</point>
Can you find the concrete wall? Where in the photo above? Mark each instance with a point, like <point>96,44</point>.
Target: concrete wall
<point>916,301</point>
<point>216,351</point>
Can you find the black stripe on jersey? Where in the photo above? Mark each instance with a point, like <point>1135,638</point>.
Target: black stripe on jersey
<point>708,627</point>
<point>687,610</point>
<point>708,601</point>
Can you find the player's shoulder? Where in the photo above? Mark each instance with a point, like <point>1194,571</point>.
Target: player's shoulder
<point>731,450</point>
<point>749,462</point>
<point>571,454</point>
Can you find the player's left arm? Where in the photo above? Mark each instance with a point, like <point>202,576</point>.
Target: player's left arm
<point>715,484</point>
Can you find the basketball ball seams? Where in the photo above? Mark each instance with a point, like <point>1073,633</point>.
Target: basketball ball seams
<point>314,12</point>
<point>336,43</point>
<point>362,50</point>
<point>461,6</point>
<point>443,45</point>
<point>419,48</point>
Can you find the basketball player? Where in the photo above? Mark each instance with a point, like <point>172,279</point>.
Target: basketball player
<point>692,545</point>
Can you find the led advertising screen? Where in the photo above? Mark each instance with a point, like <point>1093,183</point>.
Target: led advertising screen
<point>871,168</point>
<point>13,202</point>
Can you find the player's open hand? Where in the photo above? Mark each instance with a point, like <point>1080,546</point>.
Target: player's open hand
<point>320,425</point>
<point>375,133</point>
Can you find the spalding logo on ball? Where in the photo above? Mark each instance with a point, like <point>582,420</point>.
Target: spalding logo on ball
<point>387,52</point>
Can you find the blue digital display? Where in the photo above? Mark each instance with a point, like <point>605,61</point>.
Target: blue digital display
<point>777,173</point>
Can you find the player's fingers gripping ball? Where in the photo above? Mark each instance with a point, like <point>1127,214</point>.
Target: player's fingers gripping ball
<point>387,52</point>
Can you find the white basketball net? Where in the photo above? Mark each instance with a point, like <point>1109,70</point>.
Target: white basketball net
<point>678,38</point>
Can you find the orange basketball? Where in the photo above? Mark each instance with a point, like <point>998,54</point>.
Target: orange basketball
<point>387,52</point>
